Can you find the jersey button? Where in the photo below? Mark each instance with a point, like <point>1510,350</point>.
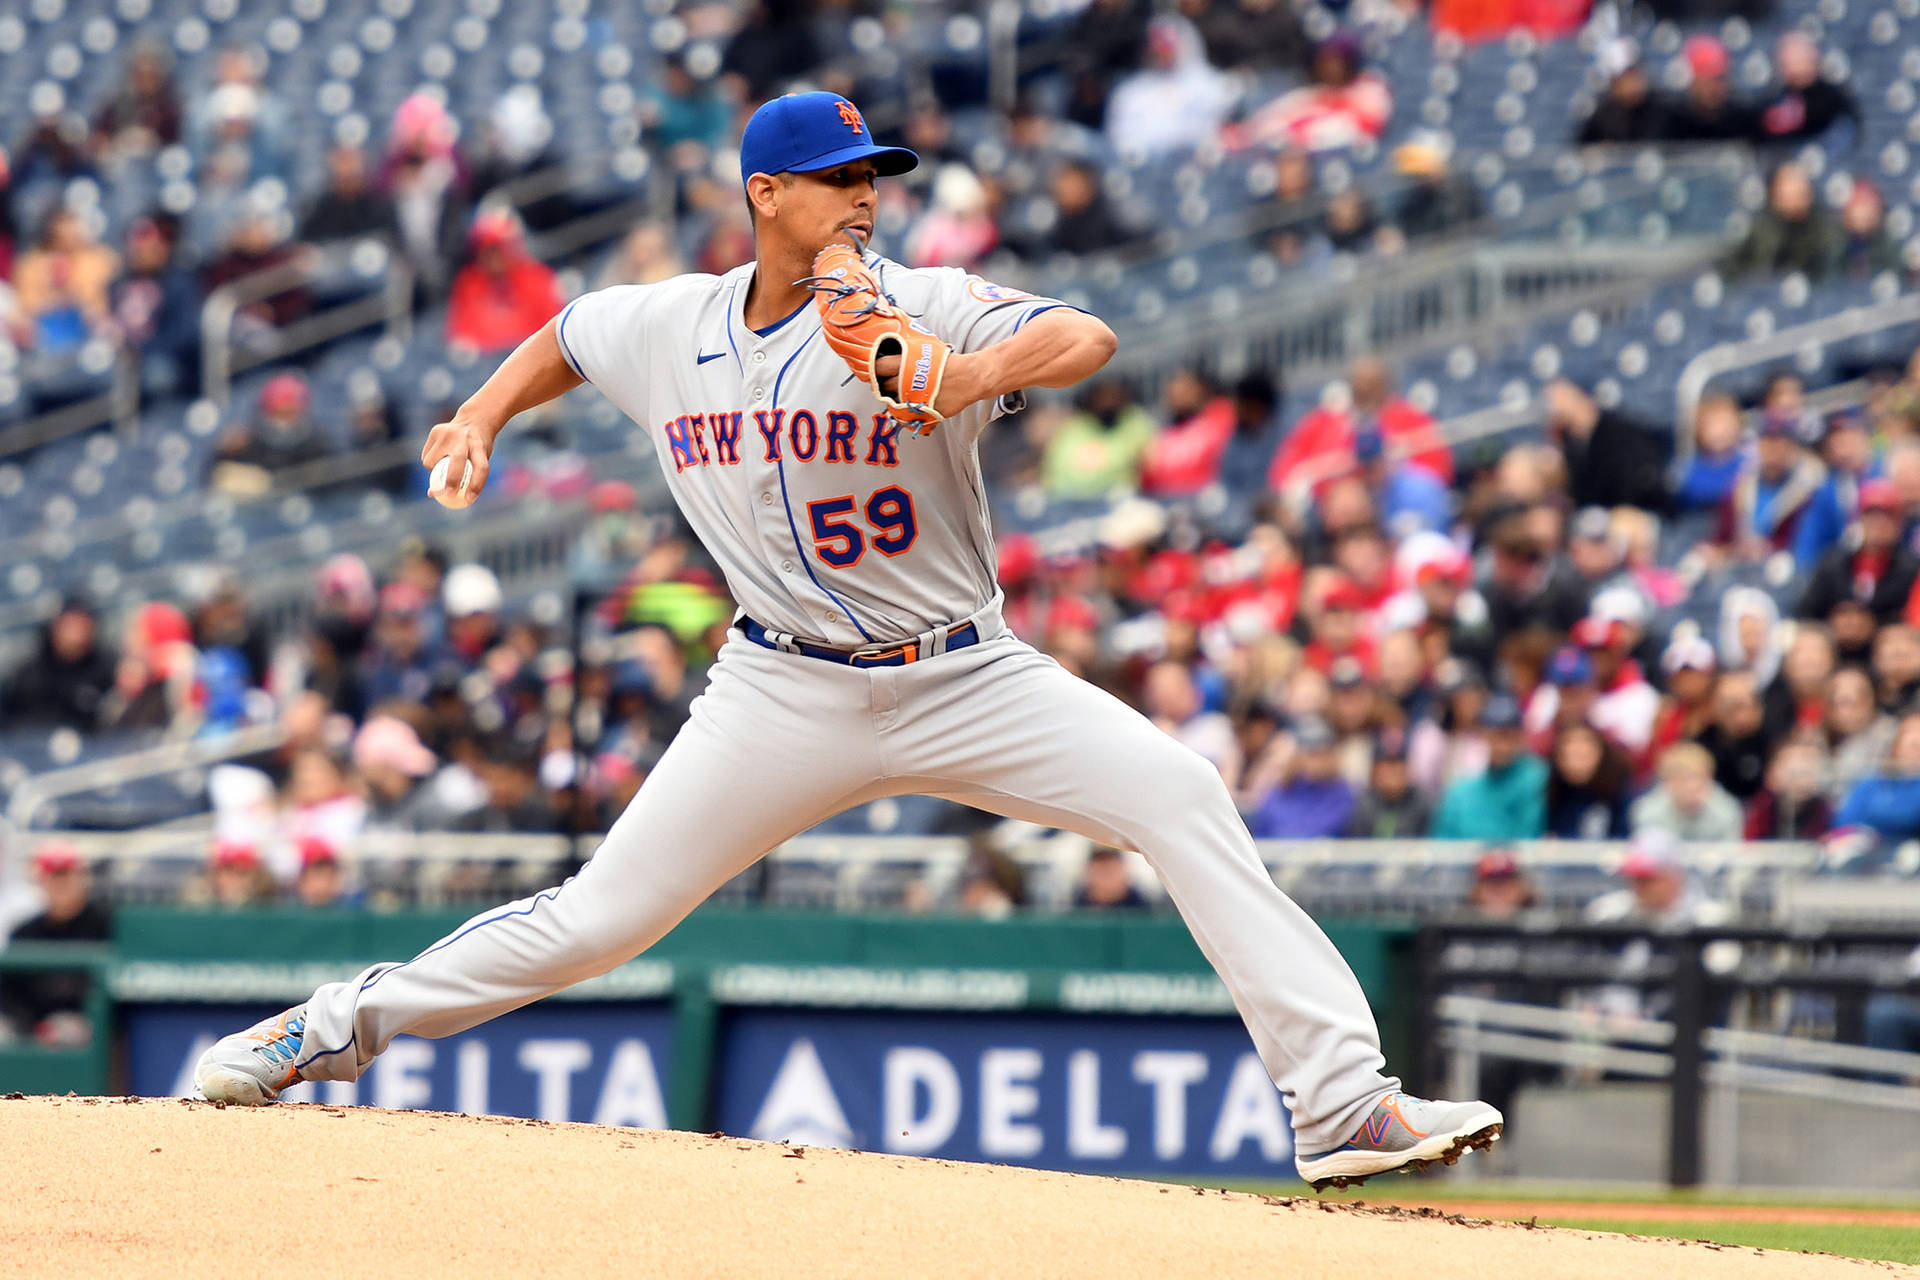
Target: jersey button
<point>766,499</point>
<point>833,617</point>
<point>759,357</point>
<point>759,393</point>
<point>786,566</point>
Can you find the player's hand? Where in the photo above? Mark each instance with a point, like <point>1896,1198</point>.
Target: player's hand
<point>962,385</point>
<point>460,442</point>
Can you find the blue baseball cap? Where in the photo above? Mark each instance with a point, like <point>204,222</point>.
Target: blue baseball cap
<point>807,132</point>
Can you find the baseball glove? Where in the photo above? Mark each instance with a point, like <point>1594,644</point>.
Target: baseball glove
<point>862,324</point>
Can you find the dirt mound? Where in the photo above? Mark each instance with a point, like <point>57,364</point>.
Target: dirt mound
<point>118,1187</point>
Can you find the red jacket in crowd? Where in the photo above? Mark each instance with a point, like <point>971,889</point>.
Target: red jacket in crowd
<point>1320,446</point>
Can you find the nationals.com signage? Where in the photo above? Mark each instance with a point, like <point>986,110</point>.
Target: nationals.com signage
<point>1101,1093</point>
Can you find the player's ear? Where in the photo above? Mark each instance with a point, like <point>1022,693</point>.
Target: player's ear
<point>763,193</point>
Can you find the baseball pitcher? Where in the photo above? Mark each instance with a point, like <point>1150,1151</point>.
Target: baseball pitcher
<point>816,413</point>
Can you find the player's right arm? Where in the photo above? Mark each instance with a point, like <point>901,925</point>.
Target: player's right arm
<point>535,373</point>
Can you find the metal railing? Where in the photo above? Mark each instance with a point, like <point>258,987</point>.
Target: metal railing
<point>221,358</point>
<point>29,796</point>
<point>118,406</point>
<point>1727,357</point>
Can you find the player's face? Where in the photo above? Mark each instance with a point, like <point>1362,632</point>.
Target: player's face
<point>826,206</point>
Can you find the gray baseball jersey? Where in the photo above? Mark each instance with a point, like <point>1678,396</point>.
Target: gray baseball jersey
<point>830,521</point>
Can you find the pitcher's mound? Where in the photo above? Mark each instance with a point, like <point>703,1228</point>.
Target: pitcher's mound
<point>127,1187</point>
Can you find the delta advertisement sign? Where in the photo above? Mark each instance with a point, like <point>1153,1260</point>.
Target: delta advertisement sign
<point>1182,1096</point>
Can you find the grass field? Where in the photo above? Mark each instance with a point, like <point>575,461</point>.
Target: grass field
<point>1881,1228</point>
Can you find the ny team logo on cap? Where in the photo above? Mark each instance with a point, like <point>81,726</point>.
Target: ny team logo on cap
<point>850,116</point>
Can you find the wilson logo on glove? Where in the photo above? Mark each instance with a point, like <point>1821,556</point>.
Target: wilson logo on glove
<point>862,325</point>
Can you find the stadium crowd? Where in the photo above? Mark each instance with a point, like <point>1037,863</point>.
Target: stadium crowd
<point>1368,632</point>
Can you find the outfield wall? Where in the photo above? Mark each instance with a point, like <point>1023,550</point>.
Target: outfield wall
<point>1091,1042</point>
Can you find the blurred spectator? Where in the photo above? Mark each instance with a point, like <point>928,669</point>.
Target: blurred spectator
<point>1660,892</point>
<point>1611,460</point>
<point>1793,233</point>
<point>1343,105</point>
<point>958,228</point>
<point>1256,434</point>
<point>1084,222</point>
<point>517,140</point>
<point>1294,212</point>
<point>1625,705</point>
<point>1320,445</point>
<point>156,308</point>
<point>142,113</point>
<point>49,1005</point>
<point>1588,786</point>
<point>320,883</point>
<point>1257,34</point>
<point>1595,554</point>
<point>280,436</point>
<point>1896,667</point>
<point>1808,105</point>
<point>1630,111</point>
<point>350,206</point>
<point>238,128</point>
<point>1796,700</point>
<point>1848,453</point>
<point>1350,224</point>
<point>646,256</point>
<point>682,113</point>
<point>426,178</point>
<point>1185,456</point>
<point>1105,884</point>
<point>67,680</point>
<point>1101,448</point>
<point>54,148</point>
<point>1389,808</point>
<point>1172,701</point>
<point>1777,482</point>
<point>63,281</point>
<point>1687,803</point>
<point>1708,111</point>
<point>258,241</point>
<point>1717,458</point>
<point>1313,800</point>
<point>1448,744</point>
<point>1737,739</point>
<point>398,661</point>
<point>1436,199</point>
<point>1887,801</point>
<point>1791,806</point>
<point>1508,800</point>
<point>235,877</point>
<point>771,42</point>
<point>1177,100</point>
<point>1690,666</point>
<point>502,297</point>
<point>1871,567</point>
<point>153,681</point>
<point>1858,734</point>
<point>472,600</point>
<point>1866,248</point>
<point>1501,890</point>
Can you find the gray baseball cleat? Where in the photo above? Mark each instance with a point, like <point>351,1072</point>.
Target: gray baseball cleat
<point>1404,1133</point>
<point>251,1067</point>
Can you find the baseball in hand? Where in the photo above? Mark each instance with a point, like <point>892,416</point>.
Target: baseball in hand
<point>437,486</point>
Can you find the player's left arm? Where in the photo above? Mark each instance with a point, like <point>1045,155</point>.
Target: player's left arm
<point>1057,348</point>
